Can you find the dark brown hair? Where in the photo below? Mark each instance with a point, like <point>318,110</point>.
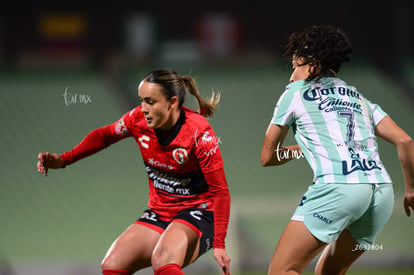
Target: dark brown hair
<point>174,84</point>
<point>323,46</point>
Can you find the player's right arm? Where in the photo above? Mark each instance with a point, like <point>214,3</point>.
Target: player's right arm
<point>94,142</point>
<point>272,149</point>
<point>273,152</point>
<point>48,160</point>
<point>391,132</point>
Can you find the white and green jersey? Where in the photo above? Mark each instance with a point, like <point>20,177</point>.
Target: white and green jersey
<point>334,126</point>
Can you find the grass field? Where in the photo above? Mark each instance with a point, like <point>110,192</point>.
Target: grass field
<point>350,272</point>
<point>362,272</point>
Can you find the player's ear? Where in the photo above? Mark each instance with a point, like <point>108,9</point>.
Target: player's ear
<point>311,68</point>
<point>314,69</point>
<point>174,102</point>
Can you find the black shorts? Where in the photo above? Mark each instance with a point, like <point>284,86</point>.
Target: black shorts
<point>200,220</point>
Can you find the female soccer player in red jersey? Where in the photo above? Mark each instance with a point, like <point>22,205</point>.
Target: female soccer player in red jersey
<point>189,200</point>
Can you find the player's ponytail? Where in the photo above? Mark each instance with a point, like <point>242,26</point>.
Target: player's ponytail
<point>207,106</point>
<point>177,85</point>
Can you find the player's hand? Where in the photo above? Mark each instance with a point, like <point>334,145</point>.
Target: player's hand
<point>409,202</point>
<point>223,259</point>
<point>48,160</point>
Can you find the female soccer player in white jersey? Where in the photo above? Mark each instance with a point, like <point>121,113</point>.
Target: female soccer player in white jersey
<point>351,198</point>
<point>189,201</point>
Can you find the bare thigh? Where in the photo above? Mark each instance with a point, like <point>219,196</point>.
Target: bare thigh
<point>132,250</point>
<point>338,256</point>
<point>295,249</point>
<point>178,244</point>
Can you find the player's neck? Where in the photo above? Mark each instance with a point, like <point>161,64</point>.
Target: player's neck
<point>171,121</point>
<point>164,133</point>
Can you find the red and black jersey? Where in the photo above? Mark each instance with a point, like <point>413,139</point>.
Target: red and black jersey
<point>184,170</point>
<point>175,165</point>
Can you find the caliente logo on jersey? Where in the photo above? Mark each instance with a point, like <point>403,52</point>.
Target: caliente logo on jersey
<point>180,155</point>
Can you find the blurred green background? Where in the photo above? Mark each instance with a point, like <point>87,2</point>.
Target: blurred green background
<point>66,221</point>
<point>67,68</point>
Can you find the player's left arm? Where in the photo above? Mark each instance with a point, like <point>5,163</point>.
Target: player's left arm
<point>211,163</point>
<point>391,132</point>
<point>273,153</point>
<point>221,197</point>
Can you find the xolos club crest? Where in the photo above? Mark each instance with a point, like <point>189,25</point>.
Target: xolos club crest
<point>180,155</point>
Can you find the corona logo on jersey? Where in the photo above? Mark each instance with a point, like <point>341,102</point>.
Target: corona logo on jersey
<point>318,93</point>
<point>180,155</point>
